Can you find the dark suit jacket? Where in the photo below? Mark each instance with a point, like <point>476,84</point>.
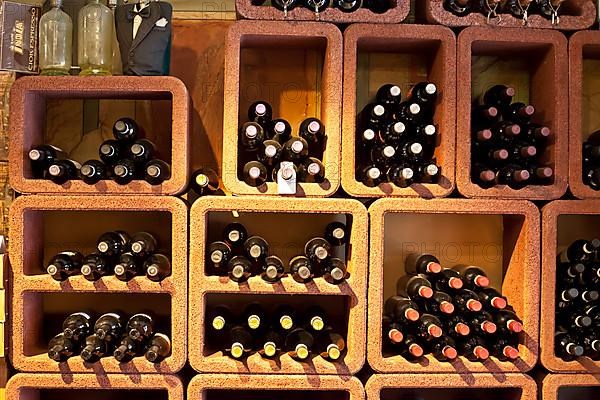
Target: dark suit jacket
<point>149,52</point>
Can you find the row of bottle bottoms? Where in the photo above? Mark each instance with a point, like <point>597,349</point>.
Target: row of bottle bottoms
<point>125,158</point>
<point>318,6</point>
<point>241,256</point>
<point>520,9</point>
<point>396,139</point>
<point>269,150</point>
<point>449,312</point>
<point>109,336</point>
<point>507,147</point>
<point>577,319</point>
<point>116,253</point>
<point>285,330</point>
<point>591,161</point>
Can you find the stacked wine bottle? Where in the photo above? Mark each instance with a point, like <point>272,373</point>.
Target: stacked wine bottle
<point>396,140</point>
<point>269,151</point>
<point>117,254</point>
<point>447,313</point>
<point>577,301</point>
<point>507,147</point>
<point>126,158</point>
<point>591,161</point>
<point>286,330</point>
<point>240,257</point>
<point>109,336</point>
<point>318,6</point>
<point>521,9</point>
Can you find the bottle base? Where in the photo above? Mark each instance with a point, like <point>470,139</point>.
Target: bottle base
<point>94,72</point>
<point>54,72</point>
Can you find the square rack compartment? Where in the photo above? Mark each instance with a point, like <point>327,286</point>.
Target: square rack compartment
<point>487,57</point>
<point>570,387</point>
<point>490,386</point>
<point>584,82</point>
<point>405,55</point>
<point>295,387</point>
<point>286,224</point>
<point>297,69</point>
<point>90,387</point>
<point>575,15</point>
<point>502,237</point>
<point>398,11</point>
<point>43,225</point>
<point>563,222</point>
<point>64,111</point>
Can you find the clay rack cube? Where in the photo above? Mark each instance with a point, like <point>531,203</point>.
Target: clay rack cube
<point>488,386</point>
<point>574,15</point>
<point>294,387</point>
<point>43,107</point>
<point>584,58</point>
<point>563,222</point>
<point>287,224</point>
<point>404,55</point>
<point>487,57</point>
<point>570,387</point>
<point>398,11</point>
<point>297,69</point>
<point>501,237</point>
<point>78,386</point>
<point>42,226</point>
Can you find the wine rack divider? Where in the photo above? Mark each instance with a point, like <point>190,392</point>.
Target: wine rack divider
<point>408,43</point>
<point>581,14</point>
<point>546,89</point>
<point>354,289</point>
<point>518,270</point>
<point>310,44</point>
<point>397,13</point>
<point>28,114</point>
<point>26,247</point>
<point>570,386</point>
<point>562,223</point>
<point>26,386</point>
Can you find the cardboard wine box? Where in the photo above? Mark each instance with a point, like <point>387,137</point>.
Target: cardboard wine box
<point>19,37</point>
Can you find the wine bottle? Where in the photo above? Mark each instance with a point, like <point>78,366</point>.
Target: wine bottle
<point>424,94</point>
<point>446,280</point>
<point>254,173</point>
<point>414,287</point>
<point>284,318</point>
<point>301,269</point>
<point>580,251</point>
<point>591,177</point>
<point>410,348</point>
<point>143,244</point>
<point>77,326</point>
<point>508,322</point>
<point>260,112</point>
<point>492,299</point>
<point>220,318</point>
<point>254,317</point>
<point>402,309</point>
<point>299,344</point>
<point>60,348</point>
<point>316,318</point>
<point>256,249</point>
<point>456,326</point>
<point>523,153</point>
<point>159,348</point>
<point>474,348</point>
<point>127,349</point>
<point>280,131</point>
<point>573,322</point>
<point>125,171</point>
<point>367,138</point>
<point>313,131</point>
<point>140,327</point>
<point>111,151</point>
<point>156,172</point>
<point>235,234</point>
<point>542,175</point>
<point>128,267</point>
<point>95,349</point>
<point>317,250</point>
<point>157,267</point>
<point>93,171</point>
<point>484,116</point>
<point>240,342</point>
<point>513,176</point>
<point>336,233</point>
<point>460,8</point>
<point>466,301</point>
<point>204,181</point>
<point>334,271</point>
<point>472,276</point>
<point>483,176</point>
<point>295,149</point>
<point>269,153</point>
<point>391,331</point>
<point>64,265</point>
<point>251,136</point>
<point>371,176</point>
<point>439,304</point>
<point>401,175</point>
<point>287,173</point>
<point>108,327</point>
<point>142,150</point>
<point>444,348</point>
<point>330,345</point>
<point>568,294</point>
<point>219,254</point>
<point>311,170</point>
<point>408,111</point>
<point>591,276</point>
<point>422,263</point>
<point>389,95</point>
<point>428,327</point>
<point>271,344</point>
<point>591,345</point>
<point>62,171</point>
<point>483,324</point>
<point>239,269</point>
<point>537,135</point>
<point>373,116</point>
<point>505,349</point>
<point>427,134</point>
<point>498,95</point>
<point>42,157</point>
<point>126,130</point>
<point>272,269</point>
<point>519,113</point>
<point>567,347</point>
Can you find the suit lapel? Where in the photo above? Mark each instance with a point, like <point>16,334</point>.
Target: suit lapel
<point>124,26</point>
<point>147,24</point>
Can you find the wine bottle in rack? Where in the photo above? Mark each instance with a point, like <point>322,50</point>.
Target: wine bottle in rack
<point>77,326</point>
<point>235,234</point>
<point>402,309</point>
<point>447,280</point>
<point>317,250</point>
<point>93,171</point>
<point>389,94</point>
<point>401,175</point>
<point>392,331</point>
<point>280,131</point>
<point>127,349</point>
<point>505,348</point>
<point>334,271</point>
<point>492,299</point>
<point>422,263</point>
<point>474,348</point>
<point>109,327</point>
<point>64,265</point>
<point>61,348</point>
<point>142,150</point>
<point>204,181</point>
<point>143,244</point>
<point>260,112</point>
<point>239,269</point>
<point>567,346</point>
<point>299,344</point>
<point>467,301</point>
<point>428,327</point>
<point>370,175</point>
<point>456,326</point>
<point>251,136</point>
<point>483,324</point>
<point>271,344</point>
<point>255,173</point>
<point>128,267</point>
<point>43,156</point>
<point>439,304</point>
<point>157,267</point>
<point>95,348</point>
<point>269,153</point>
<point>111,151</point>
<point>330,345</point>
<point>284,318</point>
<point>140,327</point>
<point>311,170</point>
<point>302,269</point>
<point>254,318</point>
<point>256,249</point>
<point>219,254</point>
<point>159,348</point>
<point>473,277</point>
<point>240,342</point>
<point>62,171</point>
<point>336,233</point>
<point>444,348</point>
<point>126,130</point>
<point>272,269</point>
<point>295,149</point>
<point>156,171</point>
<point>414,287</point>
<point>316,318</point>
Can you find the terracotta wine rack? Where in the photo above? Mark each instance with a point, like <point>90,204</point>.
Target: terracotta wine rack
<point>535,63</point>
<point>286,224</point>
<point>294,387</point>
<point>42,226</point>
<point>405,55</point>
<point>570,387</point>
<point>502,237</point>
<point>398,11</point>
<point>575,15</point>
<point>487,386</point>
<point>584,57</point>
<point>562,223</point>
<point>296,67</point>
<point>41,109</point>
<point>78,386</point>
